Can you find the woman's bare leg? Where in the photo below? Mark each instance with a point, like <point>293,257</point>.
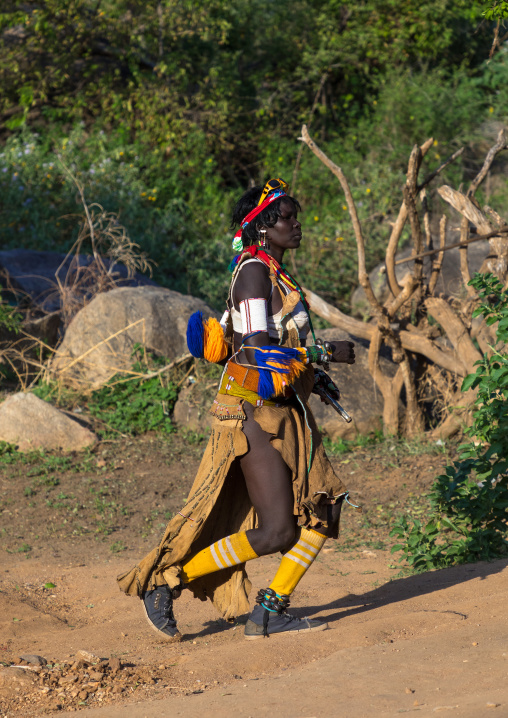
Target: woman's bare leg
<point>268,481</point>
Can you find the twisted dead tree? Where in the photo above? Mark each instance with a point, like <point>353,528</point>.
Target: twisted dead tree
<point>402,321</point>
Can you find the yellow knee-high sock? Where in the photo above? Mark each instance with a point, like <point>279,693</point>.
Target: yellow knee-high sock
<point>297,561</point>
<point>229,551</point>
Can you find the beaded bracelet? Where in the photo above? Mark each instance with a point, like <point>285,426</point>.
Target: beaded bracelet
<point>315,354</point>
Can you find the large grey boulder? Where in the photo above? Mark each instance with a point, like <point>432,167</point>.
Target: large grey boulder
<point>100,339</point>
<point>449,284</point>
<point>31,423</point>
<point>359,394</point>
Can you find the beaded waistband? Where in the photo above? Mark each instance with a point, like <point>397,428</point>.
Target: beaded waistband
<point>242,382</point>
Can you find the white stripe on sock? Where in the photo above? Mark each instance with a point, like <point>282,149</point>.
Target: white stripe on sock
<point>305,554</point>
<point>223,553</point>
<point>229,544</point>
<point>309,545</point>
<point>306,547</point>
<point>291,557</point>
<point>215,556</point>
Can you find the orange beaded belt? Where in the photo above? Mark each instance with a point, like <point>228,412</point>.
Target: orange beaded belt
<point>242,381</point>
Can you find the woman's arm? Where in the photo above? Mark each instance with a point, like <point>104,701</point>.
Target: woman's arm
<point>251,297</point>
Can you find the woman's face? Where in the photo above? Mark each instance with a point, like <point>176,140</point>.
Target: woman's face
<point>287,231</point>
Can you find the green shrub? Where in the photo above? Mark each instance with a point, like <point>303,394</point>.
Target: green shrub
<point>132,405</point>
<point>10,320</point>
<point>136,405</point>
<point>469,501</point>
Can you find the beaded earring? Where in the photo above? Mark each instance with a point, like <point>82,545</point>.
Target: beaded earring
<point>262,238</point>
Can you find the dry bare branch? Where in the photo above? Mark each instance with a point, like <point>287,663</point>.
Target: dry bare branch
<point>414,423</point>
<point>393,306</point>
<point>426,219</point>
<point>495,216</point>
<point>363,276</point>
<point>416,234</point>
<point>337,318</point>
<point>465,206</point>
<point>457,333</point>
<point>388,319</point>
<point>437,263</point>
<point>499,145</point>
<point>476,238</point>
<point>385,385</point>
<point>391,250</point>
<point>441,167</point>
<point>411,341</point>
<point>396,232</point>
<point>464,262</point>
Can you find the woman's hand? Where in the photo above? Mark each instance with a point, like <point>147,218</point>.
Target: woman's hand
<point>335,395</point>
<point>343,352</point>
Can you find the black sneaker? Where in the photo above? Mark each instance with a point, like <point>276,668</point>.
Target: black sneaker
<point>158,608</point>
<point>279,623</point>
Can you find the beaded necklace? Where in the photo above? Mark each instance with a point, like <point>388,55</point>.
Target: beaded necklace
<point>282,274</point>
<point>291,282</point>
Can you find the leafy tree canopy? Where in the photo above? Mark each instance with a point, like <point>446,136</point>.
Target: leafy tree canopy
<point>237,72</point>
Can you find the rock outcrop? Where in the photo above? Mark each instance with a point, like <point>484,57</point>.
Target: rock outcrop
<point>31,423</point>
<point>100,340</point>
<point>33,274</point>
<point>359,394</point>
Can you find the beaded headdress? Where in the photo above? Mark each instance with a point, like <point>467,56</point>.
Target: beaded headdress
<point>273,189</point>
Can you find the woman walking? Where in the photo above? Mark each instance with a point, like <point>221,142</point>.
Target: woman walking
<point>264,484</point>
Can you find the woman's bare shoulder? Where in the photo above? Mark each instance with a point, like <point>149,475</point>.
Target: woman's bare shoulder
<point>253,281</point>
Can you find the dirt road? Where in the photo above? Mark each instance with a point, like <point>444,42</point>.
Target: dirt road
<point>431,643</point>
<point>428,643</point>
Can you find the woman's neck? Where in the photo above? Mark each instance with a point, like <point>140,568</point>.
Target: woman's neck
<point>276,253</point>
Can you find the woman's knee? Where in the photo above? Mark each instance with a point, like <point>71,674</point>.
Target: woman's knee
<point>277,538</point>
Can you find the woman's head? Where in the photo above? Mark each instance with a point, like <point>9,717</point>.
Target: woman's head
<point>267,218</point>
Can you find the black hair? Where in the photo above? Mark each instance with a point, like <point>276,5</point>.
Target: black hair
<point>267,218</point>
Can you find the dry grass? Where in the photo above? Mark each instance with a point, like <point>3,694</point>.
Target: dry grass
<point>92,266</point>
<point>101,236</point>
<point>439,387</point>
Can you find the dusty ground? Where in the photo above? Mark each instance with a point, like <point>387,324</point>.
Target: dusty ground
<point>428,643</point>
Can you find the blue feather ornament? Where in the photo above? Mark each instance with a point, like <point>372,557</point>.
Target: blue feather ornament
<point>266,388</point>
<point>196,335</point>
<point>280,355</point>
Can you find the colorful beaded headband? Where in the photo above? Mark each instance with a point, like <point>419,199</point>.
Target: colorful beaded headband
<point>237,239</point>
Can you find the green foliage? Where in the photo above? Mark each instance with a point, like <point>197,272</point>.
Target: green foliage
<point>135,405</point>
<point>10,320</point>
<point>470,501</point>
<point>117,546</point>
<point>345,446</point>
<point>8,452</point>
<point>164,117</point>
<point>162,210</point>
<point>177,207</point>
<point>497,10</point>
<point>167,72</point>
